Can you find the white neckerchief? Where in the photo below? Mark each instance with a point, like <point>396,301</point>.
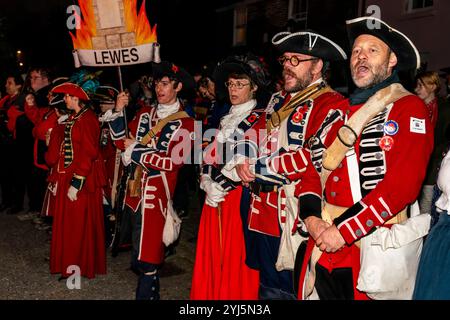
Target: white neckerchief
<point>236,114</point>
<point>165,110</point>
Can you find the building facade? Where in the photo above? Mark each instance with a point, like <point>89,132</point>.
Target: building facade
<point>425,22</point>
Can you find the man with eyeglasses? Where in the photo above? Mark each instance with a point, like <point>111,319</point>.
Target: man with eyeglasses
<point>273,168</point>
<point>159,141</point>
<point>36,106</point>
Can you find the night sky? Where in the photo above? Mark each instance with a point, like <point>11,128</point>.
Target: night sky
<point>38,28</point>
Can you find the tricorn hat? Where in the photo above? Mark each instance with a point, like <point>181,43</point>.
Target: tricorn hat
<point>168,69</point>
<point>248,64</point>
<point>105,94</point>
<point>57,100</point>
<point>71,89</point>
<point>309,43</point>
<point>407,54</point>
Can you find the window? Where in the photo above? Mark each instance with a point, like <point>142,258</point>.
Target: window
<point>413,5</point>
<point>298,10</point>
<point>240,26</point>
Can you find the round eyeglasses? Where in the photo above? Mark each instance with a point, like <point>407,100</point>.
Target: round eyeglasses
<point>293,60</point>
<point>237,85</point>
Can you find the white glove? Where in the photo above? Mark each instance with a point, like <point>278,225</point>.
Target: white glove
<point>126,155</point>
<point>72,193</point>
<point>63,118</point>
<point>214,192</point>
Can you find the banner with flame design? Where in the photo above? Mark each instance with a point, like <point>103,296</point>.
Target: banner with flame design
<point>112,33</point>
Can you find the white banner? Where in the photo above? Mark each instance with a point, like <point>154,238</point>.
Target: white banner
<point>117,57</point>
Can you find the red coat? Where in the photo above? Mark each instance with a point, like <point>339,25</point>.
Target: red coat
<point>220,271</point>
<point>78,226</point>
<point>390,178</point>
<point>48,122</point>
<point>291,164</point>
<point>162,159</point>
<point>36,114</point>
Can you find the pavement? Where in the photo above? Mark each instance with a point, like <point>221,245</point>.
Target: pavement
<point>25,275</point>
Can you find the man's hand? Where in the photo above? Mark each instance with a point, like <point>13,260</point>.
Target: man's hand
<point>244,172</point>
<point>128,142</point>
<point>47,136</point>
<point>315,226</point>
<point>122,101</point>
<point>72,193</point>
<point>330,240</point>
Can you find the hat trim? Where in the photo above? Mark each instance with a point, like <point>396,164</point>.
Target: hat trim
<point>401,33</point>
<point>301,33</point>
<point>64,84</point>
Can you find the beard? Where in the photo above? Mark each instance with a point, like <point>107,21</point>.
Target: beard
<point>377,74</point>
<point>301,83</point>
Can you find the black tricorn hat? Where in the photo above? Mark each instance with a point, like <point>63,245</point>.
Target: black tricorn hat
<point>407,54</point>
<point>309,43</point>
<point>248,64</point>
<point>168,69</point>
<point>105,94</point>
<point>57,100</point>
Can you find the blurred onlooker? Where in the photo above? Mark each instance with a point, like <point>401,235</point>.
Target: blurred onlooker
<point>427,88</point>
<point>36,108</point>
<point>433,278</point>
<point>9,111</point>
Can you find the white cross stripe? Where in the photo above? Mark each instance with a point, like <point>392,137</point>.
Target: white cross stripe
<point>385,205</point>
<point>351,231</point>
<point>360,225</point>
<point>376,214</point>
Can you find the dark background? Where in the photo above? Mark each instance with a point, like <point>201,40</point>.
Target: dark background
<point>191,33</point>
<point>38,29</point>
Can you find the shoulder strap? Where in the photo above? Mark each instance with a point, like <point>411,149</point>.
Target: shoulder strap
<point>158,127</point>
<point>309,93</point>
<point>349,132</point>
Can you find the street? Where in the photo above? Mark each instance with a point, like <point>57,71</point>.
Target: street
<point>24,271</point>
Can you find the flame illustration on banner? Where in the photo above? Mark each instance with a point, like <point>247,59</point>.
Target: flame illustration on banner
<point>87,30</point>
<point>137,23</point>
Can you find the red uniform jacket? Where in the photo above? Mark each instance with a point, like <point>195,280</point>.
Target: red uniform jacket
<point>288,163</point>
<point>392,155</point>
<point>161,158</point>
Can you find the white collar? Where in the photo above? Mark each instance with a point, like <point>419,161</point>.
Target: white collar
<point>242,108</point>
<point>236,114</point>
<point>165,110</point>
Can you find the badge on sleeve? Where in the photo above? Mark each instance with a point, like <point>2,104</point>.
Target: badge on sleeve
<point>390,127</point>
<point>386,143</point>
<point>417,125</point>
<point>298,116</point>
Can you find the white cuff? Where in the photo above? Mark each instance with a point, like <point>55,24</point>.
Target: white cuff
<point>63,118</point>
<point>109,116</point>
<point>126,156</point>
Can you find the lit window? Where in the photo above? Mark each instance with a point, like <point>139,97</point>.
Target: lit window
<point>413,5</point>
<point>298,10</point>
<point>240,26</point>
